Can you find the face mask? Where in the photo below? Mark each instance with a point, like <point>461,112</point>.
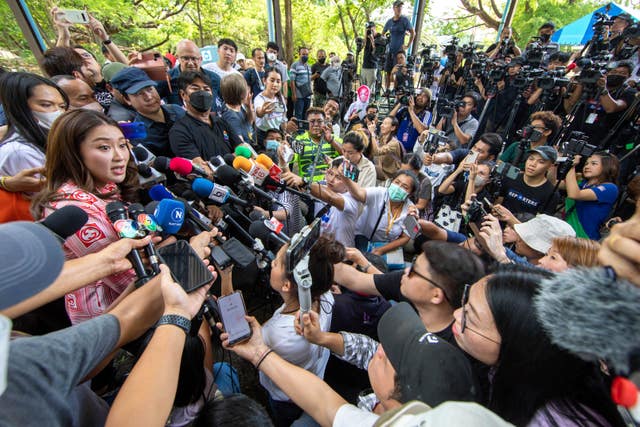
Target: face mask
<point>371,117</point>
<point>615,80</point>
<point>321,60</point>
<point>272,145</point>
<point>545,37</point>
<point>201,101</point>
<point>304,58</point>
<point>271,56</point>
<point>46,119</point>
<point>397,193</point>
<point>479,181</point>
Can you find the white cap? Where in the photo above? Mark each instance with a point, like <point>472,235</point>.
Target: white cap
<point>240,57</point>
<point>539,232</point>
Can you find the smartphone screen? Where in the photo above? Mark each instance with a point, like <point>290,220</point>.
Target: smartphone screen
<point>411,226</point>
<point>232,312</point>
<point>186,266</point>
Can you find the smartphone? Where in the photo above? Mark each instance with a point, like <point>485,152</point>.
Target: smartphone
<point>186,266</point>
<point>471,157</point>
<point>350,170</point>
<point>232,313</point>
<point>301,244</point>
<point>411,227</point>
<point>220,257</point>
<point>74,16</point>
<point>133,130</point>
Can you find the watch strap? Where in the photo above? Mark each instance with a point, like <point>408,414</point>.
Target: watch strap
<point>176,320</point>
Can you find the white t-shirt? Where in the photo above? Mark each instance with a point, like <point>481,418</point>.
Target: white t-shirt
<point>377,198</point>
<point>343,223</point>
<point>274,119</point>
<point>16,154</point>
<point>349,415</point>
<point>213,66</point>
<point>280,335</point>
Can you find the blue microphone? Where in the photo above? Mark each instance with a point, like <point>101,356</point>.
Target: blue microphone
<point>170,215</point>
<point>215,192</point>
<point>160,192</point>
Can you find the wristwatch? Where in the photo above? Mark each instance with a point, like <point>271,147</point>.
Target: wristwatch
<point>605,92</point>
<point>106,42</point>
<point>179,321</point>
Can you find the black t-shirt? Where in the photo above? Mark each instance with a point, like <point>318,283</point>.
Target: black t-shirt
<point>191,138</point>
<point>596,123</point>
<point>519,197</point>
<point>369,60</point>
<point>319,85</point>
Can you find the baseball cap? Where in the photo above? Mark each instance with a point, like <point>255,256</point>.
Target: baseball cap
<point>397,3</point>
<point>32,259</point>
<point>547,152</point>
<point>428,369</point>
<point>371,24</point>
<point>515,61</point>
<point>131,80</point>
<point>625,16</point>
<point>240,57</point>
<point>111,69</point>
<point>539,232</point>
<point>450,414</point>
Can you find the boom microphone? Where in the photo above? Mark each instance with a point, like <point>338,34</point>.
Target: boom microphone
<point>65,221</point>
<point>590,313</point>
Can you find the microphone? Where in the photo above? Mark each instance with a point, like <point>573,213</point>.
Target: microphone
<point>231,178</point>
<point>124,227</point>
<point>254,170</point>
<point>266,162</point>
<point>144,158</point>
<point>148,225</point>
<point>228,158</point>
<point>160,192</point>
<point>170,215</point>
<point>570,67</point>
<point>217,193</point>
<point>243,151</point>
<point>263,231</point>
<point>179,165</point>
<point>608,329</point>
<point>196,219</point>
<point>65,221</point>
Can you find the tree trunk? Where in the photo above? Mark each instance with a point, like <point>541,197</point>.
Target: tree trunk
<point>288,32</point>
<point>347,39</point>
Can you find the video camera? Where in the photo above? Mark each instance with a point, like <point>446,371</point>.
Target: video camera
<point>592,70</point>
<point>451,49</point>
<point>536,52</point>
<point>576,146</point>
<point>446,107</point>
<point>526,77</point>
<point>435,139</point>
<point>553,78</point>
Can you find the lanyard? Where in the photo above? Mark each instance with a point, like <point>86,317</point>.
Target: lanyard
<point>391,218</point>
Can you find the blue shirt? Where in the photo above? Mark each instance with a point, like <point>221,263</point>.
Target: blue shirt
<point>407,134</point>
<point>398,29</point>
<point>592,213</point>
<point>157,140</point>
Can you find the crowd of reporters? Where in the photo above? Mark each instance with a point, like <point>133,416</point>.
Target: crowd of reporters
<point>446,232</point>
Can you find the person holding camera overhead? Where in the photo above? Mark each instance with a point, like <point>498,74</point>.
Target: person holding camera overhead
<point>369,70</point>
<point>463,126</point>
<point>413,116</point>
<point>506,46</point>
<point>589,201</point>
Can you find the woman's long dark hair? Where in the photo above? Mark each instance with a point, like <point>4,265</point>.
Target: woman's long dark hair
<point>531,371</point>
<point>15,91</point>
<point>64,162</point>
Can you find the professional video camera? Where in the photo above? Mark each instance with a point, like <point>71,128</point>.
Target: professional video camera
<point>553,78</point>
<point>527,76</point>
<point>536,52</point>
<point>577,145</point>
<point>435,139</point>
<point>469,51</point>
<point>429,61</point>
<point>592,70</point>
<point>446,107</point>
<point>380,43</point>
<point>627,50</point>
<point>451,49</point>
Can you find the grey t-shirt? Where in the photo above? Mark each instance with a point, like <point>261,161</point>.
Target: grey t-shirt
<point>44,373</point>
<point>468,126</point>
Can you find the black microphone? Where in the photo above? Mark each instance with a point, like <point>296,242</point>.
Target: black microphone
<point>228,159</point>
<point>592,314</point>
<point>124,227</point>
<point>148,224</point>
<point>232,178</point>
<point>65,221</point>
<point>260,230</point>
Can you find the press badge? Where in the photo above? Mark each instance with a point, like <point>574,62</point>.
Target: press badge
<point>591,118</point>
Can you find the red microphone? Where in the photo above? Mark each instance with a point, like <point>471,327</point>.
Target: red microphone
<point>185,167</point>
<point>570,67</point>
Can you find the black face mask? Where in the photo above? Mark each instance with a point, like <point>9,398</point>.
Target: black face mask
<point>371,117</point>
<point>545,37</point>
<point>321,60</point>
<point>201,101</point>
<point>615,80</point>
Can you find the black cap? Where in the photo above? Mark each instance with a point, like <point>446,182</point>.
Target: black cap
<point>397,3</point>
<point>428,368</point>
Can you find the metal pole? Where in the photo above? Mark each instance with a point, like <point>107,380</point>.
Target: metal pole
<point>418,18</point>
<point>272,27</point>
<point>29,28</point>
<point>504,18</point>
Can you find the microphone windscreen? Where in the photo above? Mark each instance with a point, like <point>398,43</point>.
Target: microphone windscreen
<point>228,158</point>
<point>217,161</point>
<point>150,207</point>
<point>159,192</point>
<point>571,66</point>
<point>242,164</point>
<point>243,151</point>
<point>65,221</point>
<point>170,215</point>
<point>144,170</point>
<point>162,163</point>
<point>202,187</point>
<point>591,314</point>
<point>228,176</point>
<point>141,154</point>
<point>256,216</point>
<point>264,161</point>
<point>115,211</point>
<point>260,231</point>
<point>181,165</point>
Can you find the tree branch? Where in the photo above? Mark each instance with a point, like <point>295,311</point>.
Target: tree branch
<point>470,28</point>
<point>481,13</point>
<point>168,14</point>
<point>497,11</point>
<point>166,39</point>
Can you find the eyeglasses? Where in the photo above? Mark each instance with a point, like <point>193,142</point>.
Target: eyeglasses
<point>189,58</point>
<point>316,122</point>
<point>412,271</point>
<point>463,320</point>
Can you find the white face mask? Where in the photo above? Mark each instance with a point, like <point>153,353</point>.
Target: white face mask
<point>46,119</point>
<point>271,56</point>
<point>479,181</point>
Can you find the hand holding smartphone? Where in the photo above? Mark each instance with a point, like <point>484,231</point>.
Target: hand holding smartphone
<point>232,313</point>
<point>74,16</point>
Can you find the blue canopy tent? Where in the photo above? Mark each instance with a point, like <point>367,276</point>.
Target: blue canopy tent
<point>580,31</point>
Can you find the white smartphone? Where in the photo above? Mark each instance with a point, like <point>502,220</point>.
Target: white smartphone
<point>232,312</point>
<point>471,157</point>
<point>75,16</point>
